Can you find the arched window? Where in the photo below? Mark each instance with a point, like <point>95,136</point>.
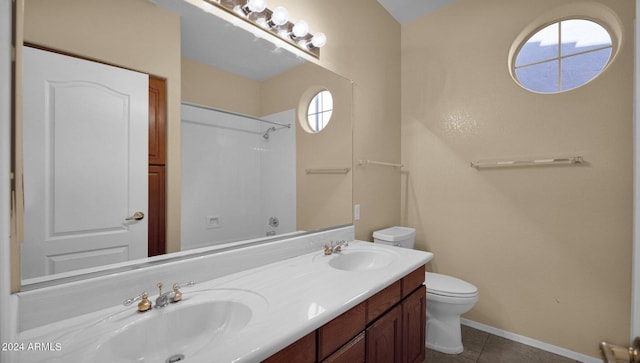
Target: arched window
<point>320,111</point>
<point>562,56</point>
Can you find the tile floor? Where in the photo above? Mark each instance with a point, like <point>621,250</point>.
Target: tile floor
<point>482,347</point>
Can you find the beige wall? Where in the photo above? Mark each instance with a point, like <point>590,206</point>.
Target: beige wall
<point>206,85</point>
<point>363,45</point>
<point>322,200</point>
<point>131,34</point>
<point>549,247</point>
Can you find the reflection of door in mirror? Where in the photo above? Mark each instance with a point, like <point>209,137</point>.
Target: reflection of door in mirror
<point>157,166</point>
<point>86,157</point>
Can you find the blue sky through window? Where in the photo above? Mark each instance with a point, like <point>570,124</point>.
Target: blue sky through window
<point>563,56</point>
<point>320,110</point>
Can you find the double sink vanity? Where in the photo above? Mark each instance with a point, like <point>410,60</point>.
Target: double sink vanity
<point>365,302</point>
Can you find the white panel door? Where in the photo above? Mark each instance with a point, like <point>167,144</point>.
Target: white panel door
<point>85,163</point>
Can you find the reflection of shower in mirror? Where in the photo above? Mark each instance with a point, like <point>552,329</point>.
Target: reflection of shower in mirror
<point>239,170</point>
<point>266,134</point>
<point>274,129</point>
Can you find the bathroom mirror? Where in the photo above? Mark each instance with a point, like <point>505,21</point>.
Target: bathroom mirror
<point>119,32</point>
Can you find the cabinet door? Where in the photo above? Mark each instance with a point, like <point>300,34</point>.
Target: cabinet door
<point>157,210</point>
<point>157,121</point>
<point>413,326</point>
<point>384,338</point>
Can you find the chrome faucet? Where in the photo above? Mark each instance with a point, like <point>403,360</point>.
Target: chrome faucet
<point>334,247</point>
<point>170,296</point>
<point>163,299</point>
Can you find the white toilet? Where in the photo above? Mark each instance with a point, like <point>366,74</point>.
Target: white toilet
<point>447,297</point>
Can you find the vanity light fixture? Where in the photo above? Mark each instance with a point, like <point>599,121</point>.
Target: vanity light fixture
<point>279,17</point>
<point>299,30</point>
<point>275,22</point>
<point>318,41</point>
<point>254,6</point>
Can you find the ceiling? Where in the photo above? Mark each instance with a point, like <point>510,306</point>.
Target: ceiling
<point>406,10</point>
<point>213,41</point>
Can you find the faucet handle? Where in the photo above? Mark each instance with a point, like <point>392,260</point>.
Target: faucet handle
<point>131,300</point>
<point>144,304</point>
<point>183,284</point>
<point>177,294</point>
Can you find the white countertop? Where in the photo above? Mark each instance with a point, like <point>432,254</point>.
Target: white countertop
<point>289,298</point>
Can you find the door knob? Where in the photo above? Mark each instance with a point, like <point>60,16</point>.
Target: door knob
<point>136,216</point>
<point>613,353</point>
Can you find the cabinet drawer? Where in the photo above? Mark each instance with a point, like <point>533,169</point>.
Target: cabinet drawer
<point>340,330</point>
<point>352,352</point>
<point>303,350</point>
<point>412,281</point>
<point>383,301</point>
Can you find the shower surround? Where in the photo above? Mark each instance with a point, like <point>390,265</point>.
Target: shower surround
<point>235,180</point>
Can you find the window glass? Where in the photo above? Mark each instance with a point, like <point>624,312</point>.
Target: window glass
<point>541,77</point>
<point>577,71</point>
<point>563,56</point>
<point>580,35</point>
<point>320,110</point>
<point>543,45</point>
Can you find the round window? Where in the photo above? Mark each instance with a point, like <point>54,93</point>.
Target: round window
<point>320,110</point>
<point>562,56</point>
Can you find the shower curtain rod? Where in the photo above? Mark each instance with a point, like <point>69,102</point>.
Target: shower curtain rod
<point>235,114</point>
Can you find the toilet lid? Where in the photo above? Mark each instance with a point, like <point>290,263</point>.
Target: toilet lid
<point>448,286</point>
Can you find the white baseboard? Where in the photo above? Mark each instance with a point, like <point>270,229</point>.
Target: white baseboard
<point>532,342</point>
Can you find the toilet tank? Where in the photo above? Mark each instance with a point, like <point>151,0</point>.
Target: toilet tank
<point>396,236</point>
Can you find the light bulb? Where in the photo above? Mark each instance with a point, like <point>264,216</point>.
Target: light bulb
<point>256,6</point>
<point>262,22</point>
<point>239,10</point>
<point>300,29</point>
<point>280,16</point>
<point>318,40</point>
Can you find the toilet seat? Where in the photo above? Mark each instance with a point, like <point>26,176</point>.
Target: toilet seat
<point>444,285</point>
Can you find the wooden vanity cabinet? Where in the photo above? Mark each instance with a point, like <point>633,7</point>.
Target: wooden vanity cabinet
<point>387,327</point>
<point>352,352</point>
<point>379,303</point>
<point>340,330</point>
<point>303,351</point>
<point>414,315</point>
<point>384,338</point>
<point>399,334</point>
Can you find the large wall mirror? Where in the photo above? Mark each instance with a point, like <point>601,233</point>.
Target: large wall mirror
<point>238,167</point>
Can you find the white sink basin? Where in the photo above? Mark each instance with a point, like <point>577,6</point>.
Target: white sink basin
<point>360,259</point>
<point>175,332</point>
